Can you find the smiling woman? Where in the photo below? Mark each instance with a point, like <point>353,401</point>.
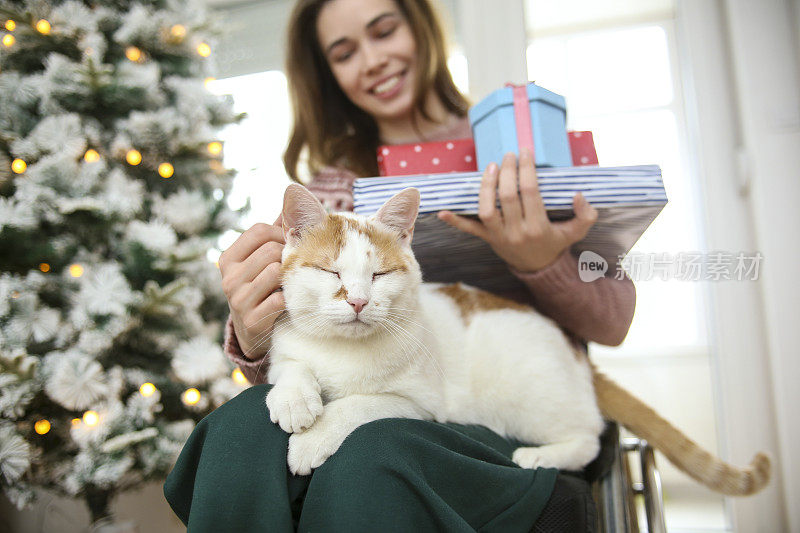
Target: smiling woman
<point>372,59</point>
<point>363,73</point>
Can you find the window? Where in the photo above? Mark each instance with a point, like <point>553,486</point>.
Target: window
<point>254,147</point>
<point>619,84</point>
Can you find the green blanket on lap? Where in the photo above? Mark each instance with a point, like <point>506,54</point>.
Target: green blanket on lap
<point>389,475</point>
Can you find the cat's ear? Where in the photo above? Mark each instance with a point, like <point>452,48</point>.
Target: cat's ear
<point>400,213</point>
<point>301,210</point>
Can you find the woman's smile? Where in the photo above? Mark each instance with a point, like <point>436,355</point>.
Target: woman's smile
<point>390,86</point>
<point>371,52</point>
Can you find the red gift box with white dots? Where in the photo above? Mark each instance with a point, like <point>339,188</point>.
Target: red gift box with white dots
<point>457,155</point>
<point>581,144</point>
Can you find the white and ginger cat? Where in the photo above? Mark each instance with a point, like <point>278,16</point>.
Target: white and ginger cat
<point>364,338</point>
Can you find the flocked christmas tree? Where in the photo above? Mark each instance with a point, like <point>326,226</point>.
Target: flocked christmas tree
<point>111,194</point>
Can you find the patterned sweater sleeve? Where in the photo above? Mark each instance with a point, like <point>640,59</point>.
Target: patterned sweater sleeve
<point>333,187</point>
<point>599,311</point>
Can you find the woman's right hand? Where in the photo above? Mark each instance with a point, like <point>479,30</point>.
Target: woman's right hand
<point>250,270</point>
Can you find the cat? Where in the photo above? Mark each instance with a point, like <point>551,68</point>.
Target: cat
<point>364,338</point>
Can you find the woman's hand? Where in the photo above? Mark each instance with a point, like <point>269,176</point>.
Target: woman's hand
<point>250,278</point>
<point>520,232</point>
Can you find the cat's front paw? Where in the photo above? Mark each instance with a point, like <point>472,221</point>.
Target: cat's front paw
<point>535,457</point>
<point>308,450</point>
<point>294,407</point>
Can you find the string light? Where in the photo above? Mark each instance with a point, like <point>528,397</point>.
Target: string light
<point>190,396</point>
<point>208,81</point>
<point>178,31</point>
<point>75,270</point>
<point>147,389</point>
<point>215,148</point>
<point>9,40</point>
<point>11,25</point>
<point>19,166</point>
<point>76,421</point>
<point>165,170</point>
<point>43,27</point>
<point>133,157</point>
<point>91,156</point>
<point>238,377</point>
<point>41,426</point>
<point>91,418</point>
<point>133,54</point>
<point>44,267</point>
<point>204,49</point>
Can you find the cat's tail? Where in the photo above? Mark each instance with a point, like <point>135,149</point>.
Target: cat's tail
<point>623,407</point>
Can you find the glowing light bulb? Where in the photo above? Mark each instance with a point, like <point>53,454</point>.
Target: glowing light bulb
<point>204,49</point>
<point>178,31</point>
<point>9,40</point>
<point>11,25</point>
<point>190,396</point>
<point>43,27</point>
<point>18,166</point>
<point>75,270</point>
<point>147,389</point>
<point>41,426</point>
<point>165,170</point>
<point>91,418</point>
<point>44,267</point>
<point>215,148</point>
<point>238,377</point>
<point>75,421</point>
<point>133,54</point>
<point>133,157</point>
<point>208,81</point>
<point>91,156</point>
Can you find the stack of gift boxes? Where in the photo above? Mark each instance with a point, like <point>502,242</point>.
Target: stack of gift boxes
<point>448,176</point>
<point>505,121</point>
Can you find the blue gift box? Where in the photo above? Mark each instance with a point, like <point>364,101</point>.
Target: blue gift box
<point>495,132</point>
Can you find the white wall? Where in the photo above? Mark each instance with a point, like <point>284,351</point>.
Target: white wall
<point>741,63</point>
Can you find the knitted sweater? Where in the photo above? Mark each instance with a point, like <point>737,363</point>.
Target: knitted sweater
<point>600,311</point>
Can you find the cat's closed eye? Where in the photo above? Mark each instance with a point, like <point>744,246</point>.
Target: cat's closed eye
<point>377,274</point>
<point>329,271</point>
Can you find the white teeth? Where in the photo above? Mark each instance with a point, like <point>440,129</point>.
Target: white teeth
<point>388,85</point>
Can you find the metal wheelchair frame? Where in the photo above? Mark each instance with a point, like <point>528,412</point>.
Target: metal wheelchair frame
<point>615,492</point>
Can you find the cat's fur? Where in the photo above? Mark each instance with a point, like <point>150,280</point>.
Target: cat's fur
<point>444,353</point>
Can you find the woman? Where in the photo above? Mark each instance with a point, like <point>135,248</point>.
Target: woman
<point>364,73</point>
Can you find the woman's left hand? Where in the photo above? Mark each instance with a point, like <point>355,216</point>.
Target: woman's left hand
<point>520,232</point>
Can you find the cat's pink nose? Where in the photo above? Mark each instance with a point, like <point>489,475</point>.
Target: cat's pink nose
<point>357,303</point>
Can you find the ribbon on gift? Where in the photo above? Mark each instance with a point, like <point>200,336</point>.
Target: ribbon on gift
<point>522,117</point>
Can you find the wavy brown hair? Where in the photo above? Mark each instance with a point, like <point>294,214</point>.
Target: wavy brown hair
<point>333,130</point>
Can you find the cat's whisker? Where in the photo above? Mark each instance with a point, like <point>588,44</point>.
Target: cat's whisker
<point>409,320</point>
<point>421,346</point>
<point>318,320</point>
<point>405,347</point>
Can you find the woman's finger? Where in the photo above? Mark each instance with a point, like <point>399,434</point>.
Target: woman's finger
<point>464,224</point>
<point>487,199</point>
<point>508,189</point>
<point>576,228</point>
<point>267,282</point>
<point>532,203</point>
<point>248,242</point>
<point>267,253</point>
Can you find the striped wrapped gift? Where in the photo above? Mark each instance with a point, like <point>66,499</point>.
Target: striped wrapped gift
<point>627,200</point>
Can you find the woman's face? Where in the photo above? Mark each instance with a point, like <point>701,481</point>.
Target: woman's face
<point>372,54</point>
